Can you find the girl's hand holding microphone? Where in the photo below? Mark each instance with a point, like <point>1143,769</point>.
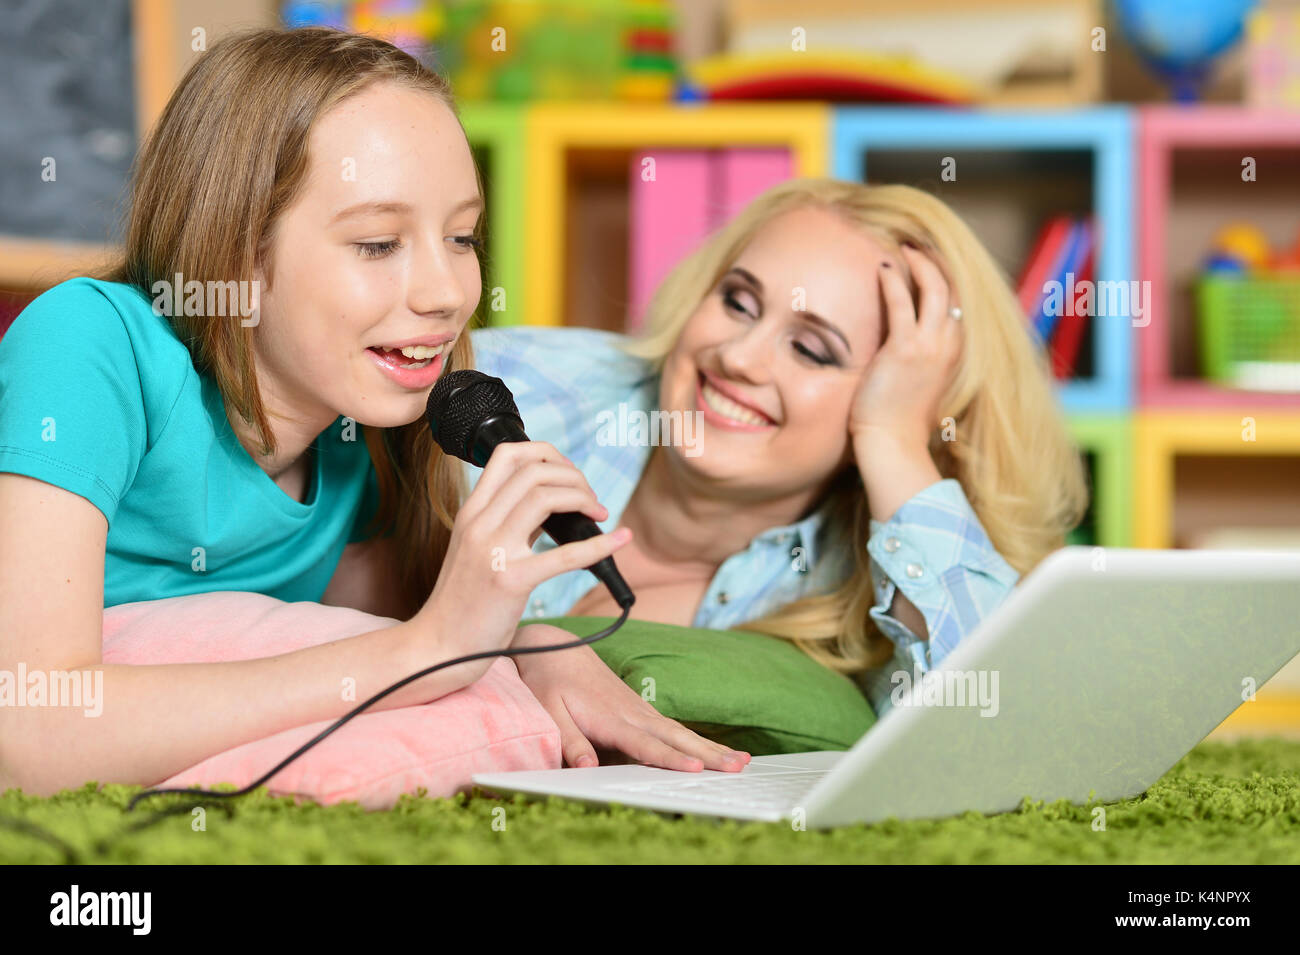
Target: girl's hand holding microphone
<point>490,568</point>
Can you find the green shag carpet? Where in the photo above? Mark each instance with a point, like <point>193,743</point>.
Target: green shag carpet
<point>1222,803</point>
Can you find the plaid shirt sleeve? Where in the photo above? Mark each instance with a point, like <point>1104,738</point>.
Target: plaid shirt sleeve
<point>936,552</point>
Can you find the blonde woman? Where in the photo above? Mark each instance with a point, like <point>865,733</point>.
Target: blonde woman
<point>880,456</point>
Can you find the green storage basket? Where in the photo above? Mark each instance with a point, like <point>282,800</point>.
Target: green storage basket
<point>1249,328</point>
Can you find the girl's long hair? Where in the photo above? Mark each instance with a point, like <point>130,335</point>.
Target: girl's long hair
<point>227,157</point>
<point>1013,454</point>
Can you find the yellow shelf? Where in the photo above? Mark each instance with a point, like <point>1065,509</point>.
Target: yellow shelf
<point>804,127</point>
<point>1158,436</point>
<point>552,130</point>
<point>1275,713</point>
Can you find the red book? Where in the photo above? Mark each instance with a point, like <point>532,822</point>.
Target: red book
<point>1038,266</point>
<point>1065,343</point>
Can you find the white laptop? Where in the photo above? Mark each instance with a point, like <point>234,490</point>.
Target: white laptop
<point>1095,676</point>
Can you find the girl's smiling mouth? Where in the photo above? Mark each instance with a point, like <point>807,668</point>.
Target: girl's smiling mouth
<point>414,366</point>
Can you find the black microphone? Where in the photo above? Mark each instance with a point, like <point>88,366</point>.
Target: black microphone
<point>470,413</point>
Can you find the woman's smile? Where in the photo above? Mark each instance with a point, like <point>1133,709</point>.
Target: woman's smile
<point>724,407</point>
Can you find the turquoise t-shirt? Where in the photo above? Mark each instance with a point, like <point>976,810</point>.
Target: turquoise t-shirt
<point>99,396</point>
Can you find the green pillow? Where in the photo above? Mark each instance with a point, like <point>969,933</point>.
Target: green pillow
<point>745,690</point>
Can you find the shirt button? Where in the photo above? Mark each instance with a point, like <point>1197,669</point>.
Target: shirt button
<point>891,544</point>
<point>722,597</point>
<point>915,570</point>
<point>538,608</point>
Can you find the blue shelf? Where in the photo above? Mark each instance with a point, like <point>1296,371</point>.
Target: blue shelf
<point>1107,132</point>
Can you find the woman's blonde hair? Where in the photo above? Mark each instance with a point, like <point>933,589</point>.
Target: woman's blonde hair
<point>227,157</point>
<point>1013,454</point>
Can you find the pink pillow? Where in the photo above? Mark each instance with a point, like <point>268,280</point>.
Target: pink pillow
<point>495,724</point>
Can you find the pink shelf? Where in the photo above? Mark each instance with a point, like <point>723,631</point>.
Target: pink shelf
<point>1162,132</point>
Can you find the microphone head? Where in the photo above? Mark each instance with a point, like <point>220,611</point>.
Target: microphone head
<point>459,403</point>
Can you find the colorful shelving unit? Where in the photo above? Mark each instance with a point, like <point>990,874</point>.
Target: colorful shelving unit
<point>1100,139</point>
<point>1190,184</point>
<point>567,143</point>
<point>1149,425</point>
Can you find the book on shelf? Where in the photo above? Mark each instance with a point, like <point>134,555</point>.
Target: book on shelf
<point>1036,272</point>
<point>1048,288</point>
<point>1064,346</point>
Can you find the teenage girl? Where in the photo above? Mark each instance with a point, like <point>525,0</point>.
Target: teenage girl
<point>158,439</point>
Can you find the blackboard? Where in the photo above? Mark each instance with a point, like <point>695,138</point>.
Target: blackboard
<point>67,94</point>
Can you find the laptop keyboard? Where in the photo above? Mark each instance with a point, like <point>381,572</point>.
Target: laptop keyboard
<point>766,791</point>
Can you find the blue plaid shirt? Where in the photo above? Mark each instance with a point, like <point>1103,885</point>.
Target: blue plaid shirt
<point>933,548</point>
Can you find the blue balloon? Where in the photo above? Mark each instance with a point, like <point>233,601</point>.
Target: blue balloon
<point>1181,38</point>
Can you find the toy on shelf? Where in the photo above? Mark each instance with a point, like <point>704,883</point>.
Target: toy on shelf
<point>1248,302</point>
<point>519,50</point>
<point>1180,40</point>
<point>649,65</point>
<point>833,76</point>
<point>410,25</point>
<point>1239,247</point>
<point>941,51</point>
<point>1287,260</point>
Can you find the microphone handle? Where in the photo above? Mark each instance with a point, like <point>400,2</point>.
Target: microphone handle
<point>564,528</point>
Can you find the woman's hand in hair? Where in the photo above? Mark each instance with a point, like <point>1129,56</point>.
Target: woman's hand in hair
<point>896,408</point>
<point>490,568</point>
<point>594,709</point>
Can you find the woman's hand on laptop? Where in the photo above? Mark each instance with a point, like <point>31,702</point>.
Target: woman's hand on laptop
<point>594,708</point>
